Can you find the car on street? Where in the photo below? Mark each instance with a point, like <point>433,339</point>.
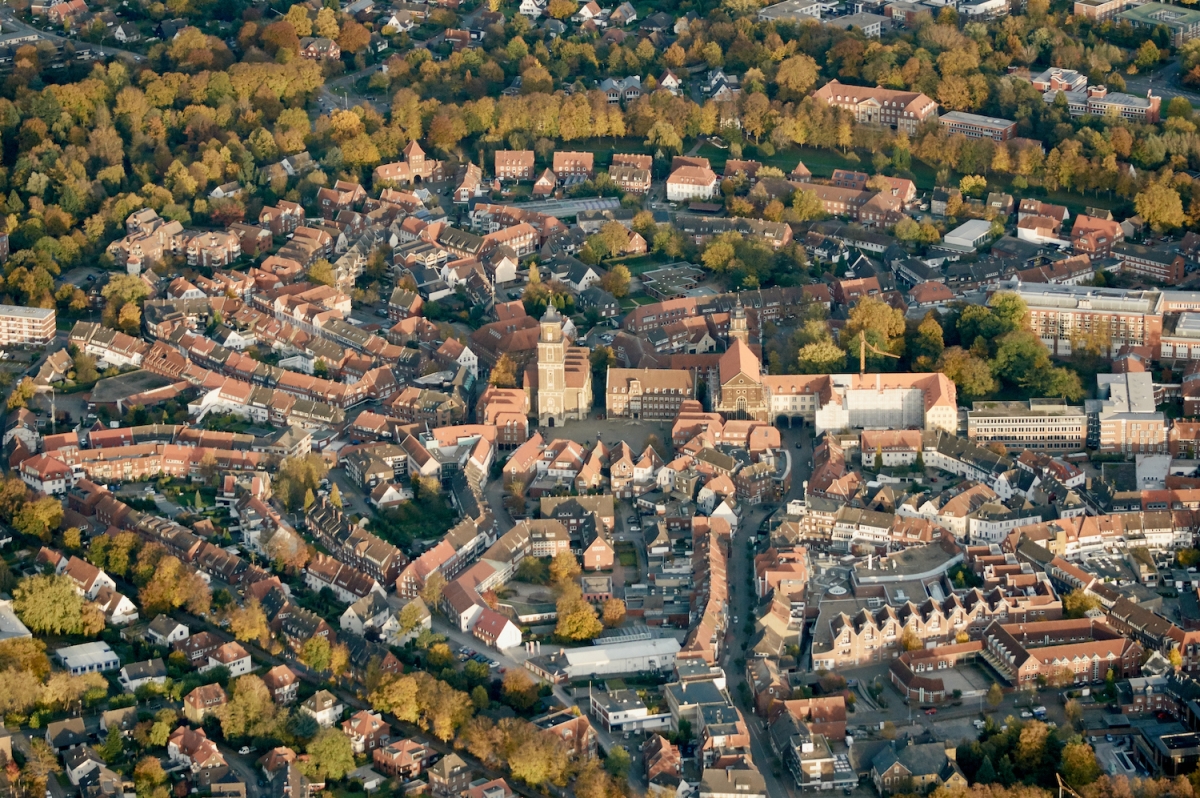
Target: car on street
<point>1026,714</point>
<point>931,711</point>
<point>245,749</point>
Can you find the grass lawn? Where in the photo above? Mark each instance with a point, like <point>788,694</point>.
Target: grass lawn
<point>628,559</point>
<point>422,519</point>
<point>644,263</point>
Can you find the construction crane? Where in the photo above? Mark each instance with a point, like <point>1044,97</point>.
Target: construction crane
<point>862,353</point>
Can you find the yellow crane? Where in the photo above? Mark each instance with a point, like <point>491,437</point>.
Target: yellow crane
<point>863,345</point>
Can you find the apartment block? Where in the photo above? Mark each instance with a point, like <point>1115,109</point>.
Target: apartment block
<point>21,325</point>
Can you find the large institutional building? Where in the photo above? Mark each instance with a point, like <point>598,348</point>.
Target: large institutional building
<point>830,401</point>
<point>904,110</point>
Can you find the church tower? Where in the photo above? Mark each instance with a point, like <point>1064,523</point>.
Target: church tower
<point>738,330</point>
<point>551,359</point>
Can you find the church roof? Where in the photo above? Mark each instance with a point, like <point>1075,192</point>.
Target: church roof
<point>739,358</point>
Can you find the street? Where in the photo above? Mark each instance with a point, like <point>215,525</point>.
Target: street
<point>1164,82</point>
<point>11,23</point>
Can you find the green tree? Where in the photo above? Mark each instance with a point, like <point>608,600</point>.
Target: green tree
<point>1009,309</point>
<point>330,755</point>
<point>970,374</point>
<point>1078,765</point>
<point>806,206</point>
<point>48,604</point>
<point>973,185</point>
<point>995,696</point>
<point>114,745</point>
<point>317,654</point>
<point>577,618</point>
<point>1148,55</point>
<point>335,496</point>
<point>616,282</point>
<point>39,518</point>
<point>1160,206</point>
<point>298,477</point>
<point>1079,602</point>
<point>986,773</point>
<point>618,762</point>
<point>821,357</point>
<point>927,345</point>
<point>250,711</point>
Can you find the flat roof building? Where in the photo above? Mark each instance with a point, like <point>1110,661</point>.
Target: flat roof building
<point>976,126</point>
<point>612,660</point>
<point>1125,418</point>
<point>1183,22</point>
<point>21,325</point>
<point>88,658</point>
<point>1049,425</point>
<point>790,11</point>
<point>1059,313</point>
<point>871,25</point>
<point>970,234</point>
<point>1099,10</point>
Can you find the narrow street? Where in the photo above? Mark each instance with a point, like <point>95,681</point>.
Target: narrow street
<point>742,603</point>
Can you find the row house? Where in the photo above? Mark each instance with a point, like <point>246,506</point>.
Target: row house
<point>354,545</point>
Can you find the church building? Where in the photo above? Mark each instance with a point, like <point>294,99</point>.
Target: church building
<point>740,372</point>
<point>559,382</point>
